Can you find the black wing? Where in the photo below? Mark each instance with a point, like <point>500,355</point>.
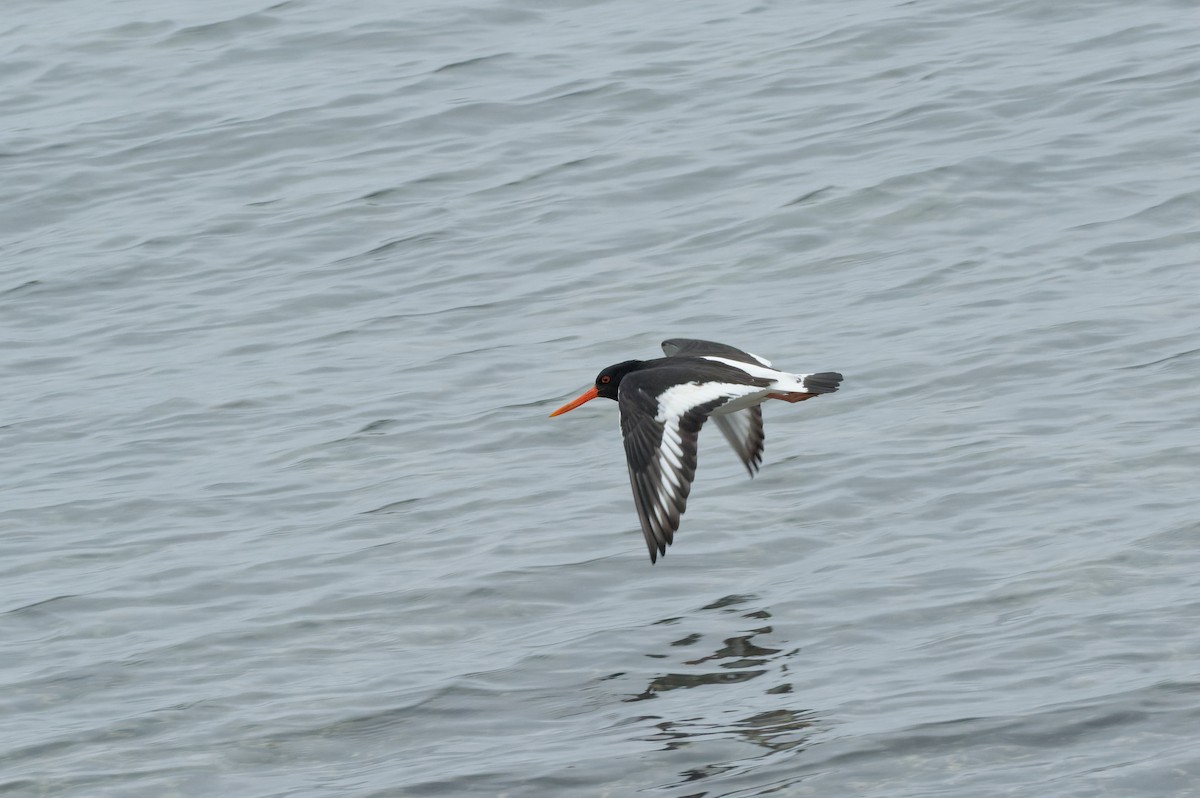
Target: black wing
<point>694,347</point>
<point>743,429</point>
<point>660,430</point>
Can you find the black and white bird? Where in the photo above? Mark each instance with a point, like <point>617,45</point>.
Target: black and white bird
<point>664,403</point>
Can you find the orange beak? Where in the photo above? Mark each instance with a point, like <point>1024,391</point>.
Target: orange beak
<point>586,396</point>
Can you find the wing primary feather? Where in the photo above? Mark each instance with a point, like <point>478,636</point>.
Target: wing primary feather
<point>744,431</point>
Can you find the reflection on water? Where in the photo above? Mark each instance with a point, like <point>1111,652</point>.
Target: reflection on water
<point>739,658</point>
<point>746,659</point>
<point>746,656</point>
<point>776,729</point>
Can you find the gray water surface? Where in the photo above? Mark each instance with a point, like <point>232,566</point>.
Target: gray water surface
<point>287,292</point>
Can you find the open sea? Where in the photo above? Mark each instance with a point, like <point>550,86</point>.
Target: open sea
<point>288,290</point>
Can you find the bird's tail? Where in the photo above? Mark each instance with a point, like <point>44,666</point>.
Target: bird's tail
<point>822,382</point>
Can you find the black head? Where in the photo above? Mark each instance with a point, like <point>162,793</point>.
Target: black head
<point>608,380</point>
<point>606,385</point>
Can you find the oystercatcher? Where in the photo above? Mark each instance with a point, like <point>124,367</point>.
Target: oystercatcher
<point>665,401</point>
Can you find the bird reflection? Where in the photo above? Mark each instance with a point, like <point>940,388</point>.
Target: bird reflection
<point>776,729</point>
<point>743,668</point>
<point>738,659</point>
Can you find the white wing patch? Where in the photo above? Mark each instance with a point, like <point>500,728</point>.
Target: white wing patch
<point>677,400</point>
<point>782,379</point>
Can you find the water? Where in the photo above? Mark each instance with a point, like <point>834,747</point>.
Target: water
<point>288,292</point>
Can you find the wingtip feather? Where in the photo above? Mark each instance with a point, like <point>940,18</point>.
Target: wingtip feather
<point>822,382</point>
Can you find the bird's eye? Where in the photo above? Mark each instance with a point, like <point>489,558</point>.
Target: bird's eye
<point>606,379</point>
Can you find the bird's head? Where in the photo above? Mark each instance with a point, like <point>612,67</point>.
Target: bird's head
<point>607,382</point>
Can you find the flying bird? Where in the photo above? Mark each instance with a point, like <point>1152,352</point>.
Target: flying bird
<point>664,402</point>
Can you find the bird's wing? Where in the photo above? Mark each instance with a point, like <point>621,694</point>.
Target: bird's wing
<point>744,431</point>
<point>660,430</point>
<point>694,347</point>
<point>744,428</point>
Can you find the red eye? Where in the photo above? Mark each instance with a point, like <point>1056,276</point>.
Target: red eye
<point>606,379</point>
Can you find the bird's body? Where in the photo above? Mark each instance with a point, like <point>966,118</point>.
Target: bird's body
<point>664,402</point>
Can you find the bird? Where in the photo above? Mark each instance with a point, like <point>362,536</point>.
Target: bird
<point>665,401</point>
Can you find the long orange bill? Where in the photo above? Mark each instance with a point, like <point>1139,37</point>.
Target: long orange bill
<point>586,396</point>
